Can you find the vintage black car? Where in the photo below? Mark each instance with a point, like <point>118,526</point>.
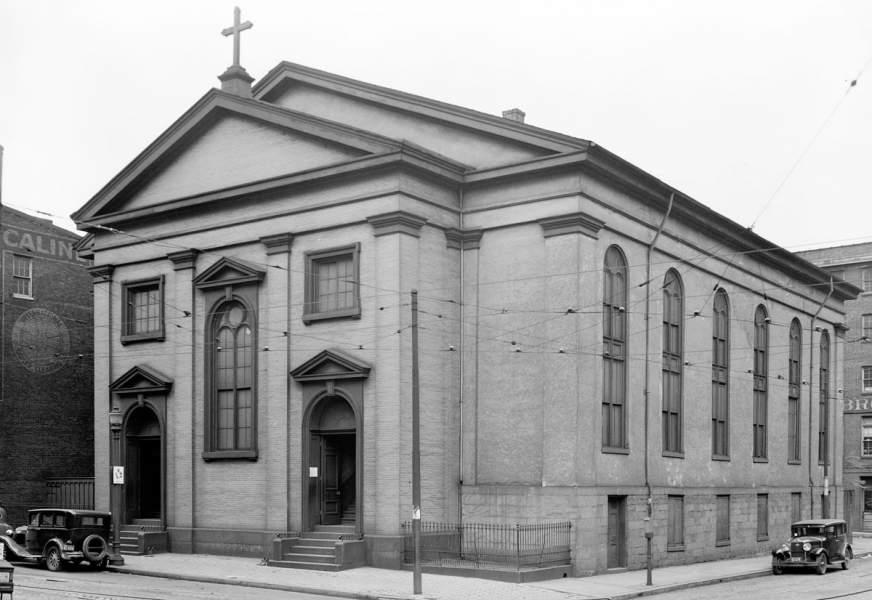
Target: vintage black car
<point>60,536</point>
<point>816,543</point>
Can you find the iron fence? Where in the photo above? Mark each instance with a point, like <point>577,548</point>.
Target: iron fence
<point>70,492</point>
<point>490,545</point>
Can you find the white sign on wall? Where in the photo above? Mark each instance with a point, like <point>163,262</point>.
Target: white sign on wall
<point>118,474</point>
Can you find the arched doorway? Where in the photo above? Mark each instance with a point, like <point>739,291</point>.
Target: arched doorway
<point>332,460</point>
<point>143,466</point>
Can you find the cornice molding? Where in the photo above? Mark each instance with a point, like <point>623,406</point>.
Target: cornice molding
<point>468,239</point>
<point>183,259</point>
<point>279,243</point>
<point>576,223</point>
<point>398,221</point>
<point>101,273</point>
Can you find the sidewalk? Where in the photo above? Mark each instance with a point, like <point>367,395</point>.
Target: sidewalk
<point>372,584</point>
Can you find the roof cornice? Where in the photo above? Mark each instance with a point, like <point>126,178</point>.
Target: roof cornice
<point>442,111</point>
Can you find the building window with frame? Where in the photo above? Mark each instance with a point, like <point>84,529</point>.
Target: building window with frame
<point>866,379</point>
<point>761,383</point>
<point>794,381</point>
<point>866,279</point>
<point>142,310</point>
<point>614,350</point>
<point>824,399</point>
<point>231,380</point>
<point>867,436</point>
<point>22,277</point>
<point>675,524</point>
<point>332,283</point>
<point>762,517</point>
<point>866,328</point>
<point>720,376</point>
<point>673,340</point>
<point>795,506</point>
<point>722,521</point>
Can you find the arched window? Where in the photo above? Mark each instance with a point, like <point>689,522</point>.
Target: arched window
<point>761,382</point>
<point>614,349</point>
<point>232,377</point>
<point>824,400</point>
<point>720,376</point>
<point>794,380</point>
<point>673,341</point>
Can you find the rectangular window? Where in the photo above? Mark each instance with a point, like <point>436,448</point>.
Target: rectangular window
<point>614,349</point>
<point>672,361</point>
<point>22,276</point>
<point>722,535</point>
<point>720,377</point>
<point>866,330</point>
<point>675,524</point>
<point>824,400</point>
<point>761,389</point>
<point>867,436</point>
<point>867,379</point>
<point>794,419</point>
<point>795,506</point>
<point>143,308</point>
<point>332,286</point>
<point>866,280</point>
<point>762,517</point>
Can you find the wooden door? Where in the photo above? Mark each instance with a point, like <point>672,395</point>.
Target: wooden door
<point>617,527</point>
<point>331,510</point>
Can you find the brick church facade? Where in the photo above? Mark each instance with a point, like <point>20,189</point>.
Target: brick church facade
<point>595,346</point>
<point>46,394</point>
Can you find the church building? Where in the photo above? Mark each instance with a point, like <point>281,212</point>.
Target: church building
<point>595,346</point>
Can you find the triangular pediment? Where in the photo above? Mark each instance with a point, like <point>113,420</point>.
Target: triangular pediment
<point>228,271</point>
<point>224,142</point>
<point>460,134</point>
<point>329,365</point>
<point>141,379</point>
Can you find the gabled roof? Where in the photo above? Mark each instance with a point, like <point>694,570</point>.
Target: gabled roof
<point>331,364</point>
<point>288,73</point>
<point>214,105</point>
<point>141,379</point>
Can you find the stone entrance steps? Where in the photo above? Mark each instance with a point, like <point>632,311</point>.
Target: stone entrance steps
<point>316,550</point>
<point>129,535</point>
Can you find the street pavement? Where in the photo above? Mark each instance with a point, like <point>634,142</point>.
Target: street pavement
<point>376,584</point>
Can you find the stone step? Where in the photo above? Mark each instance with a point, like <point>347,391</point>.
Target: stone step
<point>309,558</point>
<point>292,564</point>
<point>338,529</point>
<point>322,535</point>
<point>321,550</point>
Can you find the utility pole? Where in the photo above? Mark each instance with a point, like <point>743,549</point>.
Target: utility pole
<point>416,450</point>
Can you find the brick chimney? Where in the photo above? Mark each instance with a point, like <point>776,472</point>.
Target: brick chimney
<point>514,114</point>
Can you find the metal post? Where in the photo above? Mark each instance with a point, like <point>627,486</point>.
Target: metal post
<point>115,421</point>
<point>416,450</point>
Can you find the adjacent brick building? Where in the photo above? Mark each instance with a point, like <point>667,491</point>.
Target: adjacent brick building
<point>595,346</point>
<point>47,362</point>
<point>853,263</point>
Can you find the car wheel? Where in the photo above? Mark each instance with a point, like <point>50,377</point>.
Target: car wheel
<point>849,555</point>
<point>53,561</point>
<point>821,564</point>
<point>777,566</point>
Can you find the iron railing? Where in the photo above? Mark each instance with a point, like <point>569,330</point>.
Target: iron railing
<point>70,492</point>
<point>490,545</point>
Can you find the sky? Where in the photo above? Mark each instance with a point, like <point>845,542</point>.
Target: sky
<point>746,106</point>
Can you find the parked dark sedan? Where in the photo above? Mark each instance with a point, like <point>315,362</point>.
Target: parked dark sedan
<point>59,536</point>
<point>816,543</point>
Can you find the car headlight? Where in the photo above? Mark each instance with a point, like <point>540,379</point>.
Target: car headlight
<point>806,547</point>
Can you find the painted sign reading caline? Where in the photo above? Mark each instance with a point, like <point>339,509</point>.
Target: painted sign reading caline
<point>37,243</point>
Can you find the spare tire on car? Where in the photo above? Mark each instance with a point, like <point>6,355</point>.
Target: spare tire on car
<point>94,547</point>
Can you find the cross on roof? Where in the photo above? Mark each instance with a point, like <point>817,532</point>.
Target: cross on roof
<point>235,31</point>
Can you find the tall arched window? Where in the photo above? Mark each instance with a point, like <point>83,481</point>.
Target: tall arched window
<point>761,382</point>
<point>614,349</point>
<point>824,400</point>
<point>232,376</point>
<point>794,422</point>
<point>673,341</point>
<point>720,376</point>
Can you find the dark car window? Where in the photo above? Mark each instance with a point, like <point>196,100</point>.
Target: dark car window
<point>92,521</point>
<point>34,519</point>
<point>804,530</point>
<point>46,520</point>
